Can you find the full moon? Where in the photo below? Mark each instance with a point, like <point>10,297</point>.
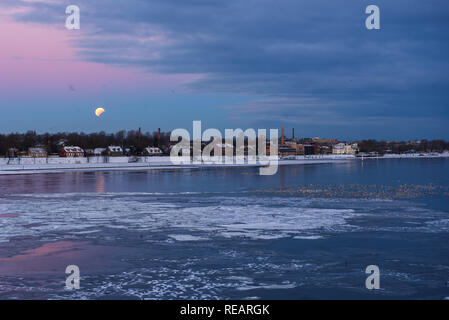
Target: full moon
<point>99,111</point>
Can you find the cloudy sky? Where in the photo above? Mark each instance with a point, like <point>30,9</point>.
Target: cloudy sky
<point>307,64</point>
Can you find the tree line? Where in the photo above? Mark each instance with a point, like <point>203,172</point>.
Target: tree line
<point>52,141</point>
<point>383,147</point>
<point>131,139</point>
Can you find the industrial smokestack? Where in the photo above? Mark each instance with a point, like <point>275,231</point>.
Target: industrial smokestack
<point>293,133</point>
<point>140,134</point>
<point>159,137</point>
<point>282,136</point>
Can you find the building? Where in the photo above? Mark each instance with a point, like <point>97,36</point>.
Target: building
<point>299,148</point>
<point>325,150</point>
<point>345,148</point>
<point>37,152</point>
<point>152,151</point>
<point>115,151</point>
<point>290,143</point>
<point>310,149</point>
<point>99,151</point>
<point>287,151</point>
<point>71,151</point>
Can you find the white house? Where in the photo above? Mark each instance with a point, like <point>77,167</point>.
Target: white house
<point>152,151</point>
<point>71,151</point>
<point>345,148</point>
<point>115,151</point>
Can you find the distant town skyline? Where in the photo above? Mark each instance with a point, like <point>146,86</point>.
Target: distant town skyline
<point>308,65</point>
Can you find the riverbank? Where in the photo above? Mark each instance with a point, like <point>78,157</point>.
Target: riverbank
<point>142,164</point>
<point>58,165</point>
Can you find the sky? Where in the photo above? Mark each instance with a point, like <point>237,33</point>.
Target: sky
<point>311,65</point>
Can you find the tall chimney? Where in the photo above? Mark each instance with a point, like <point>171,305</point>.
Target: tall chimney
<point>293,133</point>
<point>159,137</point>
<point>282,136</point>
<point>140,133</point>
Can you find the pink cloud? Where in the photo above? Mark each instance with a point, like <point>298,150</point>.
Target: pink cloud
<point>42,59</point>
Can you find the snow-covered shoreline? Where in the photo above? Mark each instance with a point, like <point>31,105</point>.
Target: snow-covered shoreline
<point>58,165</point>
<point>416,155</point>
<point>39,169</point>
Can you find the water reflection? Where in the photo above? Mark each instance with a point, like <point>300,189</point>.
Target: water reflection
<point>99,182</point>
